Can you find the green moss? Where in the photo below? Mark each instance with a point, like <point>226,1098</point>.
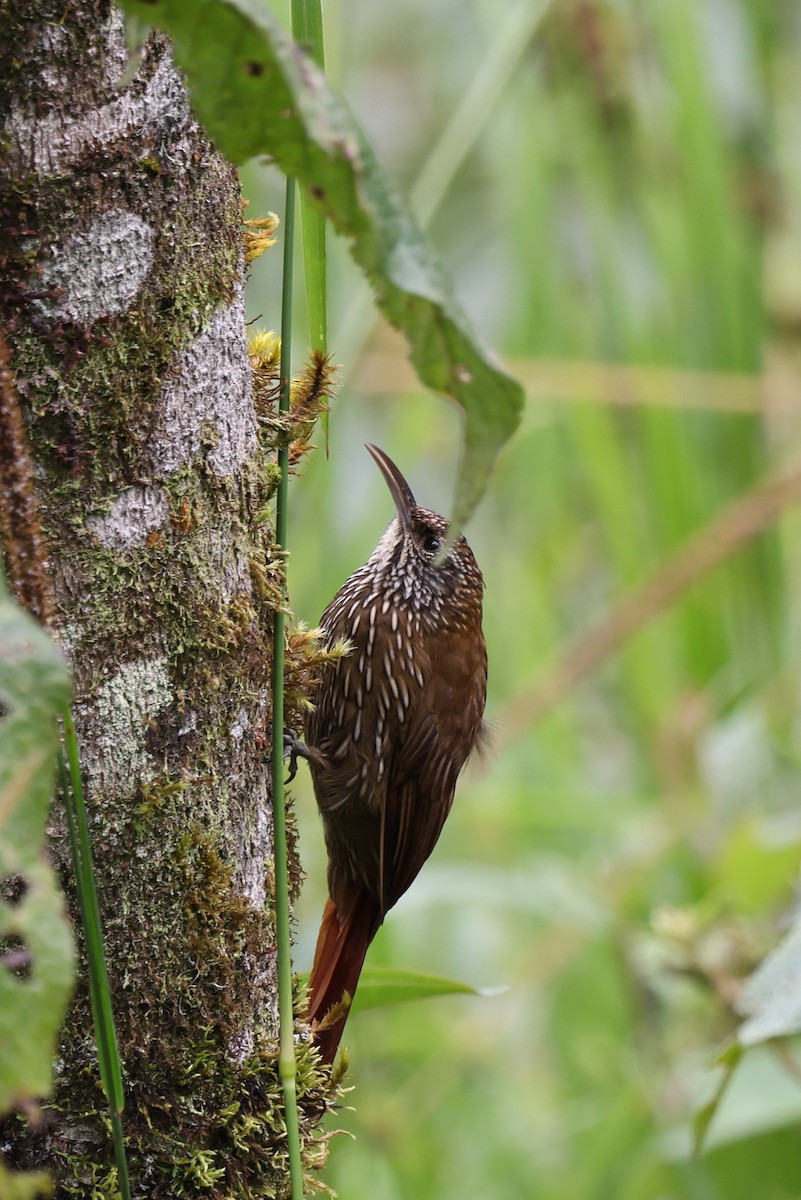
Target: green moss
<point>199,1111</point>
<point>222,927</point>
<point>232,1149</point>
<point>151,163</point>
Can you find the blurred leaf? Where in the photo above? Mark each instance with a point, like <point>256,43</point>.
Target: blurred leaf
<point>761,1096</point>
<point>728,1058</point>
<point>257,93</point>
<point>380,986</point>
<point>28,1186</point>
<point>756,865</point>
<point>771,999</point>
<point>34,989</point>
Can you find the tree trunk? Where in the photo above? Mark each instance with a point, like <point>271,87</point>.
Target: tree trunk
<point>123,303</point>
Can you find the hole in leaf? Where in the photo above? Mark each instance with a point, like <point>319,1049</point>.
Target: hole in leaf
<point>15,956</point>
<point>13,889</point>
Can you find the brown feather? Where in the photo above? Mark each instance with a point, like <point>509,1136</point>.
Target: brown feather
<point>338,960</point>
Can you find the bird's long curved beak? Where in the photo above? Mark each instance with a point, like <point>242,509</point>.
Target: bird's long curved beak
<point>399,489</point>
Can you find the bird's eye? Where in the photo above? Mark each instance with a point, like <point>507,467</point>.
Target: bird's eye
<point>431,543</point>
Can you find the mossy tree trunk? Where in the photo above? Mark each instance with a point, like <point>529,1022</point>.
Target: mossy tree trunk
<point>123,305</point>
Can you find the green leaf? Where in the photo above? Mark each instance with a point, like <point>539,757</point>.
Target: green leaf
<point>380,986</point>
<point>258,94</point>
<point>771,999</point>
<point>34,686</point>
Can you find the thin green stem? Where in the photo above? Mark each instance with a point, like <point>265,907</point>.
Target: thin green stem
<point>286,1056</point>
<point>99,988</point>
<point>307,30</point>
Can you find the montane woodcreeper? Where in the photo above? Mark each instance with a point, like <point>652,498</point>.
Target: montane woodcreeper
<point>392,726</point>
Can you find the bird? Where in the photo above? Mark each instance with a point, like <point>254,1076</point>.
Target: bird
<point>392,724</point>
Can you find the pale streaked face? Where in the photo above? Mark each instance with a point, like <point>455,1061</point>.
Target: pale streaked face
<point>407,561</point>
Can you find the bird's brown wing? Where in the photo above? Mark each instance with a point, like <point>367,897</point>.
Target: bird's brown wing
<point>349,778</point>
<point>400,717</point>
<point>442,726</point>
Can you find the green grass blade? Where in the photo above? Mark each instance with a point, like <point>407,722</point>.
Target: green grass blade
<point>307,30</point>
<point>287,1065</point>
<point>476,107</point>
<point>99,988</point>
<point>315,264</point>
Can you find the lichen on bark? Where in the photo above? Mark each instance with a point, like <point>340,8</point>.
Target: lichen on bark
<point>123,303</point>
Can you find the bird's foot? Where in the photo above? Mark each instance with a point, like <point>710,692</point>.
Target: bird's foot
<point>294,749</point>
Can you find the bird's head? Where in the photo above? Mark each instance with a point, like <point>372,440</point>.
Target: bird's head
<point>410,552</point>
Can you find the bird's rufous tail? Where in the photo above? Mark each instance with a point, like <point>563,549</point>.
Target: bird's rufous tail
<point>338,958</point>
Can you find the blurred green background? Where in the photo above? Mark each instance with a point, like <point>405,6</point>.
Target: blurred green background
<point>614,187</point>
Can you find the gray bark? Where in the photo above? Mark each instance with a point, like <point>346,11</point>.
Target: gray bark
<point>123,303</point>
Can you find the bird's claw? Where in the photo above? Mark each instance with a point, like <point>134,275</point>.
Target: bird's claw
<point>294,749</point>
